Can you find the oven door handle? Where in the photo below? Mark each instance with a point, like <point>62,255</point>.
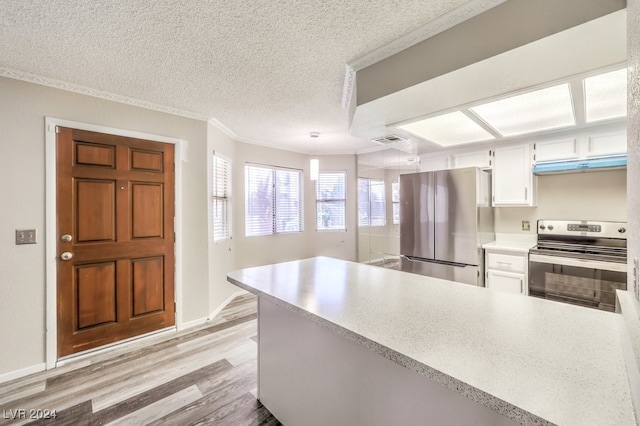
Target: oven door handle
<point>579,263</point>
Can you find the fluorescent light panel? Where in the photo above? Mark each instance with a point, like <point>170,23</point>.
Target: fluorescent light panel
<point>536,111</point>
<point>449,129</point>
<point>606,96</point>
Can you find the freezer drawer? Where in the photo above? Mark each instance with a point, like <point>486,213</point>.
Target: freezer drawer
<point>467,274</point>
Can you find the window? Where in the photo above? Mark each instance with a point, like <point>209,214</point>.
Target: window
<point>331,201</point>
<point>273,200</point>
<point>371,205</point>
<point>221,198</point>
<point>395,201</point>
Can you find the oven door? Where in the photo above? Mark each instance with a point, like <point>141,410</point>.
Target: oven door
<point>590,283</point>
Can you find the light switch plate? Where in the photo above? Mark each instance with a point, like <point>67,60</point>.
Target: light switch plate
<point>526,226</point>
<point>26,236</point>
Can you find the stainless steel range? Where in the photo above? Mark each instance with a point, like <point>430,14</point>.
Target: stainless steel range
<point>579,262</point>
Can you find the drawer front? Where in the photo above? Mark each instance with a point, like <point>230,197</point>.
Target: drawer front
<point>506,262</point>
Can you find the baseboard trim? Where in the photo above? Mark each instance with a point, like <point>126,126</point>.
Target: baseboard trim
<point>224,304</point>
<point>17,374</point>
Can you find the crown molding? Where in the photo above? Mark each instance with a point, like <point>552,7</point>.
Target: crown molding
<point>88,91</point>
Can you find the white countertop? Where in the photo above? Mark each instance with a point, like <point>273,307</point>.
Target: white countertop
<point>512,242</point>
<point>527,358</point>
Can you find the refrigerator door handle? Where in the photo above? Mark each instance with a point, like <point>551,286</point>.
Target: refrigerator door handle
<point>439,262</point>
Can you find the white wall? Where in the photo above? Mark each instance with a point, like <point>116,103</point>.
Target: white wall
<point>23,110</point>
<point>588,196</point>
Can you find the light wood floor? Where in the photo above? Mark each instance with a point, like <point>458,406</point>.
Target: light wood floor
<point>201,376</point>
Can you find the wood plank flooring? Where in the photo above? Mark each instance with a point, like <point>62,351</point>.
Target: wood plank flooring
<point>202,376</point>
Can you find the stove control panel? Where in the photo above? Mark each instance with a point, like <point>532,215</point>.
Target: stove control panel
<point>583,228</point>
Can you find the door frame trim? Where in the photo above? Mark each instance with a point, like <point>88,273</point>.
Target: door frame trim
<point>51,265</point>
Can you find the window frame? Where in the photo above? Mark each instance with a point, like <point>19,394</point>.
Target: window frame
<point>395,201</point>
<point>369,203</point>
<point>226,199</point>
<point>342,200</point>
<point>273,202</point>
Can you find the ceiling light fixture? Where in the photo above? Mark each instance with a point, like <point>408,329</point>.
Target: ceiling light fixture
<point>545,109</point>
<point>314,163</point>
<point>314,168</point>
<point>606,96</point>
<point>454,128</point>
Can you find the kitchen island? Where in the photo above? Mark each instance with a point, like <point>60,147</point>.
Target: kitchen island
<point>348,343</point>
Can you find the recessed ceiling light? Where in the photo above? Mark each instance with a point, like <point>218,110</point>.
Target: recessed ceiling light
<point>450,129</point>
<point>536,111</point>
<point>314,134</point>
<point>606,96</point>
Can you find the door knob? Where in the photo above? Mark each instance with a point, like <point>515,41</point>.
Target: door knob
<point>66,255</point>
<point>66,238</point>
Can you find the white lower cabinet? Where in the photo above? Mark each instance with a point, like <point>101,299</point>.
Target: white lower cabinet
<point>509,282</point>
<point>507,271</point>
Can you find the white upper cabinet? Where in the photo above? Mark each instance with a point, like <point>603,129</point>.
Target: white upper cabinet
<point>513,180</point>
<point>606,144</point>
<point>564,149</point>
<point>582,147</point>
<point>480,159</point>
<point>429,164</point>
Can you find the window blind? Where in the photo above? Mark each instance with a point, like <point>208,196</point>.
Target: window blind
<point>331,201</point>
<point>395,200</point>
<point>273,200</point>
<point>371,202</point>
<point>221,198</point>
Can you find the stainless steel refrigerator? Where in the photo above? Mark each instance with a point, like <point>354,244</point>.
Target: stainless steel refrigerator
<point>445,218</point>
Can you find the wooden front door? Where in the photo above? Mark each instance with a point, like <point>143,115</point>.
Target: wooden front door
<point>115,213</point>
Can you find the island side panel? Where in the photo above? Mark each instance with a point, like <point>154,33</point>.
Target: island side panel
<point>310,375</point>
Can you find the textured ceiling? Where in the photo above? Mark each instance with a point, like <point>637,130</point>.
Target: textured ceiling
<point>266,71</point>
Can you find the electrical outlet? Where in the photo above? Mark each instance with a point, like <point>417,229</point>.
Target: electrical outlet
<point>26,236</point>
<point>526,226</point>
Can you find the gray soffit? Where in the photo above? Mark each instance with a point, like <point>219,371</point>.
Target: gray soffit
<point>505,27</point>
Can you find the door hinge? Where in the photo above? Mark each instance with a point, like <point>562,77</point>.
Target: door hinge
<point>57,129</point>
<point>175,309</point>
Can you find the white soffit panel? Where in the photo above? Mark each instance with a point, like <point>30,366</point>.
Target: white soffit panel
<point>606,96</point>
<point>536,111</point>
<point>450,129</point>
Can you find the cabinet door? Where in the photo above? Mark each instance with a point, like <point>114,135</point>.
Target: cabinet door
<point>512,177</point>
<point>480,159</point>
<point>566,149</point>
<point>430,164</point>
<point>611,144</point>
<point>508,282</point>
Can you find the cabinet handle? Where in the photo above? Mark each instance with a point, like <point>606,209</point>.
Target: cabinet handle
<point>504,263</point>
<point>521,285</point>
<point>575,146</point>
<point>526,193</point>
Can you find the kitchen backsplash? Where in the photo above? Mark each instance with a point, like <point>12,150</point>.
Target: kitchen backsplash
<point>588,196</point>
